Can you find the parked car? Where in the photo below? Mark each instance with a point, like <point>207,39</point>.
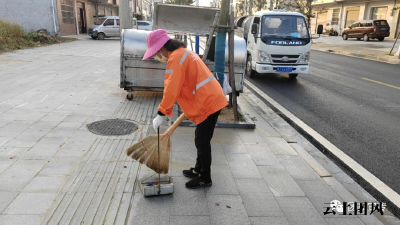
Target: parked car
<point>108,27</point>
<point>367,29</point>
<point>144,25</point>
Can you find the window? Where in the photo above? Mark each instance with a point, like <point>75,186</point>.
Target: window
<point>143,24</point>
<point>378,13</point>
<point>118,22</point>
<point>380,23</point>
<point>109,22</point>
<point>335,17</point>
<point>67,11</point>
<point>284,26</point>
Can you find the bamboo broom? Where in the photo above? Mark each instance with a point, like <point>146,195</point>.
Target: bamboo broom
<point>146,150</point>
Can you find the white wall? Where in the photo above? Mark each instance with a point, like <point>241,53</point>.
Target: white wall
<point>32,15</point>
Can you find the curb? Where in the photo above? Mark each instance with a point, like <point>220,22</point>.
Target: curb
<point>361,56</point>
<point>364,178</point>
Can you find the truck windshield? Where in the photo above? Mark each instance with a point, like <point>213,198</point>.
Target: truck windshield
<point>284,26</point>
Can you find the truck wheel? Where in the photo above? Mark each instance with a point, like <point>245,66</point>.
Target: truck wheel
<point>249,71</point>
<point>101,36</point>
<point>293,75</point>
<point>365,37</point>
<point>381,39</point>
<point>344,36</point>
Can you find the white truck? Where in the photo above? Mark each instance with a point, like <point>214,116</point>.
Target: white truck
<point>277,42</point>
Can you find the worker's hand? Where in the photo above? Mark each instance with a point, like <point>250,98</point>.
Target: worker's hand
<point>157,122</point>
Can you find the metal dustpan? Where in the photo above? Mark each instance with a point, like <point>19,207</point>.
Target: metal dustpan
<point>157,185</point>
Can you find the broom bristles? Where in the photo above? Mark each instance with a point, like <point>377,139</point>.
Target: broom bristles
<point>152,161</point>
<point>146,150</point>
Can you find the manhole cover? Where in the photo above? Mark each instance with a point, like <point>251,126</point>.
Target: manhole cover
<point>113,127</point>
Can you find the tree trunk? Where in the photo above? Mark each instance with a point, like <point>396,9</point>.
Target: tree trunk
<point>250,7</point>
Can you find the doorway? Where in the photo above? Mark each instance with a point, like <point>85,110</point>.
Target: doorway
<point>352,15</point>
<point>81,17</point>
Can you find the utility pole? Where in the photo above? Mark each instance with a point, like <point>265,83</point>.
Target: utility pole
<point>220,39</point>
<point>231,47</point>
<point>197,45</point>
<point>125,14</point>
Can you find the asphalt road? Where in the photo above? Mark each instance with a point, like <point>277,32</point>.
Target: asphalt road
<point>354,103</point>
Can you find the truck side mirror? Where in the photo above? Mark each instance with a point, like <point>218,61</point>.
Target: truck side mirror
<point>320,28</point>
<point>254,28</point>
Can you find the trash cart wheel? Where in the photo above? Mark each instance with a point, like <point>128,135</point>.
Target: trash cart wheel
<point>129,96</point>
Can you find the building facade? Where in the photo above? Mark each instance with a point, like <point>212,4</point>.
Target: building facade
<point>62,17</point>
<point>75,16</point>
<point>339,14</point>
<point>32,15</point>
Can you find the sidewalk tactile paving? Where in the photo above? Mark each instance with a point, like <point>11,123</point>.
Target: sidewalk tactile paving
<point>104,180</point>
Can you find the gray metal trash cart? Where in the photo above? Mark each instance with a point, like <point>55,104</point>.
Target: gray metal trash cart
<point>139,75</point>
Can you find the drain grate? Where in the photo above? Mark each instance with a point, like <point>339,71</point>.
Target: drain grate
<point>112,127</point>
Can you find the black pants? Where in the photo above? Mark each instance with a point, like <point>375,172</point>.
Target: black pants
<point>203,135</point>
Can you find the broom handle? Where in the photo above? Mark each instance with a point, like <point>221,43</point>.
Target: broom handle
<point>175,125</point>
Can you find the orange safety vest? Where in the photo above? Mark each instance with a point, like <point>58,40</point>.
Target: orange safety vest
<point>191,83</point>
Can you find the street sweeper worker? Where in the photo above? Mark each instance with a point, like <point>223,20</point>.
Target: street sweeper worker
<point>189,82</point>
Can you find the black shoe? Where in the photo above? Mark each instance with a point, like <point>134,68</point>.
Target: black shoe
<point>190,173</point>
<point>198,182</point>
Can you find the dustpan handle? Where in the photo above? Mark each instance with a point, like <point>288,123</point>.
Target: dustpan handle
<point>175,124</point>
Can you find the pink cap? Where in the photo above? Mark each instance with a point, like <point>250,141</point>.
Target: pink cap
<point>155,41</point>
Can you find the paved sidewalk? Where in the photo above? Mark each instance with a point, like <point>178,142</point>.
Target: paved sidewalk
<point>372,50</point>
<point>53,170</point>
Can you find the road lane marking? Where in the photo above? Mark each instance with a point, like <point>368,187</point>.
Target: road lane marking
<point>378,82</point>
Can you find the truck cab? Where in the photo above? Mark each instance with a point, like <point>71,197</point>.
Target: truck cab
<point>277,42</point>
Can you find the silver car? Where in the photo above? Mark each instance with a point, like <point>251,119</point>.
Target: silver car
<point>109,27</point>
<point>144,25</point>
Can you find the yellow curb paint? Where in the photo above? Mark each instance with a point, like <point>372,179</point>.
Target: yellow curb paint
<point>378,82</point>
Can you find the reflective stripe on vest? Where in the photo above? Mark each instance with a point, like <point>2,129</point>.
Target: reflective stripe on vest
<point>184,57</point>
<point>169,71</point>
<point>205,81</point>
